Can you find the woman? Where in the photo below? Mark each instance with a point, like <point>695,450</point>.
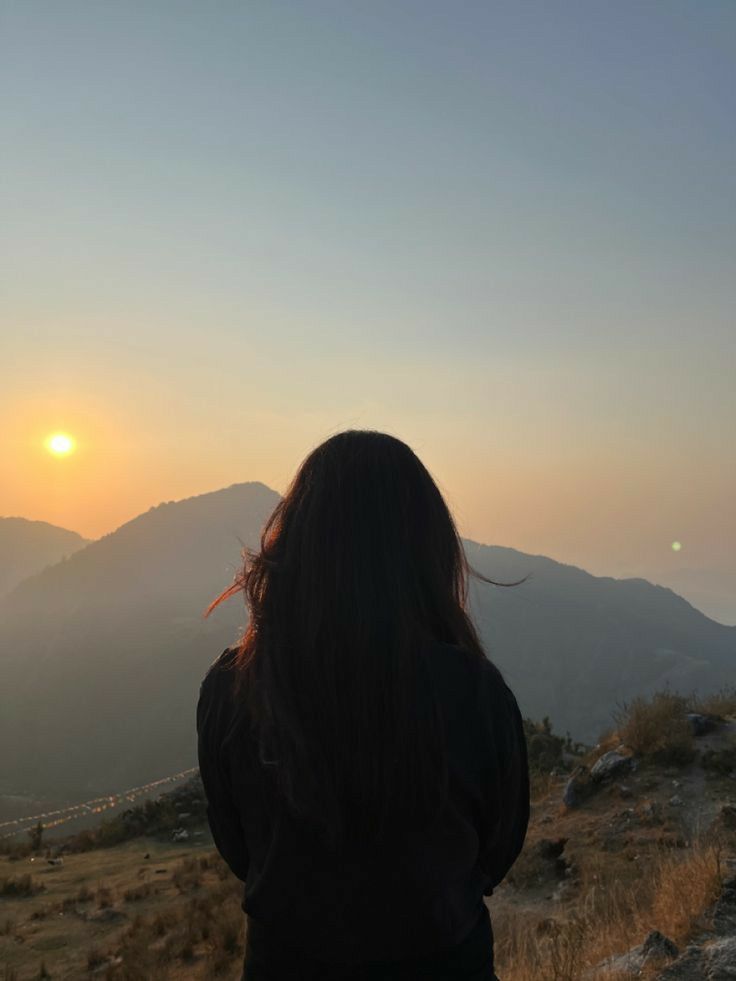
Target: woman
<point>364,763</point>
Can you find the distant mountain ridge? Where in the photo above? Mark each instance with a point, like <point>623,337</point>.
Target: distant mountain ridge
<point>101,656</point>
<point>27,547</point>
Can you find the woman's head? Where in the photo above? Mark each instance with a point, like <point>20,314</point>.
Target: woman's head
<point>360,567</point>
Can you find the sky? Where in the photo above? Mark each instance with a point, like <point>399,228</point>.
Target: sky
<point>504,232</point>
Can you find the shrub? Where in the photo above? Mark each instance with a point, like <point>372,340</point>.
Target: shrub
<point>20,885</point>
<point>85,895</point>
<point>104,897</point>
<point>157,816</point>
<point>722,703</point>
<point>544,749</point>
<point>95,959</point>
<point>657,728</point>
<point>138,893</point>
<point>36,836</point>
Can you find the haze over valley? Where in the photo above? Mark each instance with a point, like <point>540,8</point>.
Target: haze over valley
<point>101,654</point>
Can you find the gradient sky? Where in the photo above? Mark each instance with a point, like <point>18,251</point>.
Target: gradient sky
<point>501,231</point>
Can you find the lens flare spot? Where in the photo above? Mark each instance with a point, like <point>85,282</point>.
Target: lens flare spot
<point>60,444</point>
<point>676,546</point>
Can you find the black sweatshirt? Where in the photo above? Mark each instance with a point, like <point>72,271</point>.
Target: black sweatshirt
<point>419,896</point>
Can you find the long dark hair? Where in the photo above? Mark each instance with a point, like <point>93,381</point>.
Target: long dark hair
<point>360,567</point>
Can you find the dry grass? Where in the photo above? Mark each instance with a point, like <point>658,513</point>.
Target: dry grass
<point>541,784</point>
<point>195,928</point>
<point>610,917</point>
<point>61,924</point>
<point>683,890</point>
<point>657,728</point>
<point>206,933</point>
<point>20,885</point>
<point>721,703</point>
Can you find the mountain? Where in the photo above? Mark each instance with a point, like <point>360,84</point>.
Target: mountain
<point>572,645</point>
<point>27,547</point>
<point>712,590</point>
<point>101,656</point>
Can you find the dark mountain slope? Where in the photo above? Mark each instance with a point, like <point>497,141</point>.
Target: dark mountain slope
<point>101,656</point>
<point>574,644</point>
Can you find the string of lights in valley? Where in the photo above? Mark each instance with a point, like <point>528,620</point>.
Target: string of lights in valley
<point>51,819</point>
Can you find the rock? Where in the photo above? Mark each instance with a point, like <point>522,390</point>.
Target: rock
<point>685,968</point>
<point>563,891</point>
<point>727,816</point>
<point>610,763</point>
<point>710,962</point>
<point>713,959</point>
<point>724,909</point>
<point>650,812</point>
<point>107,915</point>
<point>547,856</point>
<point>656,947</point>
<point>729,886</point>
<point>578,787</point>
<point>721,959</point>
<point>700,724</point>
<point>550,848</point>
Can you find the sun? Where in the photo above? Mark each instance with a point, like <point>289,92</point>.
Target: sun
<point>60,444</point>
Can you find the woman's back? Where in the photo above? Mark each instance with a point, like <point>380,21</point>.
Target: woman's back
<point>364,762</point>
<point>419,893</point>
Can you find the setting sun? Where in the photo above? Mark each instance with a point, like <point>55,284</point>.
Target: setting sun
<point>60,444</point>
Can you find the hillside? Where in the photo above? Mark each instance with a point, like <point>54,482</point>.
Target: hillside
<point>107,649</point>
<point>573,644</point>
<point>113,654</point>
<point>631,874</point>
<point>27,547</point>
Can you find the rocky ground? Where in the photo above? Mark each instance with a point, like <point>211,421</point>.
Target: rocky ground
<point>607,818</point>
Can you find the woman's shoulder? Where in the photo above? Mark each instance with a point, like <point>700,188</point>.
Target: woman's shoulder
<point>474,671</point>
<point>215,703</point>
<point>219,672</point>
<point>462,660</point>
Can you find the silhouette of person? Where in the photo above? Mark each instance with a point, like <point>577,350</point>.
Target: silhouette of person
<point>364,762</point>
